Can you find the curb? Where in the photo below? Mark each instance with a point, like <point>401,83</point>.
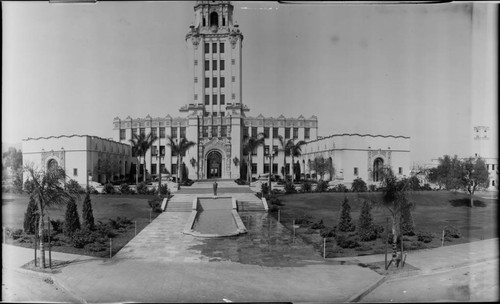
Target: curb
<point>56,281</point>
<point>372,287</point>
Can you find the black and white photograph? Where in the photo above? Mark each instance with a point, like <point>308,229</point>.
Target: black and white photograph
<point>249,151</point>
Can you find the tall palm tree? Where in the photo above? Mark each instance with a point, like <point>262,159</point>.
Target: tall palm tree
<point>283,150</point>
<point>47,189</point>
<point>140,145</point>
<point>250,144</point>
<point>294,149</point>
<point>179,149</point>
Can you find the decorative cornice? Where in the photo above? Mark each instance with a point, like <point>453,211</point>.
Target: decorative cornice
<point>74,135</point>
<point>360,135</point>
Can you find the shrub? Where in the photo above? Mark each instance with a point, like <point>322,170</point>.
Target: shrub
<point>289,187</point>
<point>379,229</point>
<point>274,200</point>
<point>415,245</point>
<point>72,220</point>
<point>340,188</point>
<point>72,186</point>
<point>345,222</point>
<point>328,232</point>
<point>426,187</point>
<point>29,185</point>
<point>363,247</point>
<point>322,186</point>
<point>95,247</point>
<point>109,188</point>
<point>424,236</point>
<point>142,188</point>
<point>87,213</point>
<point>372,188</point>
<point>318,225</point>
<point>31,217</point>
<point>92,190</point>
<point>366,227</point>
<point>451,232</point>
<point>346,241</point>
<point>273,208</point>
<point>304,220</point>
<point>82,237</point>
<point>105,230</point>
<point>57,226</point>
<point>358,185</point>
<point>125,188</point>
<point>407,223</point>
<point>264,188</point>
<point>305,187</point>
<point>14,233</point>
<point>164,190</point>
<point>155,204</point>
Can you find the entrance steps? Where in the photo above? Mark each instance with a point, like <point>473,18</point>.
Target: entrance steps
<point>180,203</point>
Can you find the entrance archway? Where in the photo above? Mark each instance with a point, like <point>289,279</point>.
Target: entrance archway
<point>214,164</point>
<point>378,165</point>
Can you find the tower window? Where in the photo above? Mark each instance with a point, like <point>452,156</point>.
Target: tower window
<point>275,132</point>
<point>214,99</point>
<point>287,132</point>
<point>233,61</point>
<point>355,171</point>
<point>214,82</point>
<point>233,96</point>
<point>295,133</point>
<point>183,132</point>
<point>222,82</point>
<point>174,132</point>
<point>162,132</point>
<point>266,132</point>
<point>214,129</point>
<point>214,114</point>
<point>196,80</point>
<point>195,96</point>
<point>207,100</point>
<point>222,114</point>
<point>221,45</point>
<point>222,99</point>
<point>195,62</point>
<point>207,66</point>
<point>307,133</point>
<point>122,134</point>
<point>214,19</point>
<point>214,47</point>
<point>254,131</point>
<point>233,78</point>
<point>214,65</point>
<point>222,65</point>
<point>223,130</point>
<point>207,48</point>
<point>207,82</point>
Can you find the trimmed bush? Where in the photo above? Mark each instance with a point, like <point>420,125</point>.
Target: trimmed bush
<point>164,190</point>
<point>345,222</point>
<point>72,220</point>
<point>31,217</point>
<point>289,187</point>
<point>318,225</point>
<point>125,188</point>
<point>92,190</point>
<point>274,200</point>
<point>328,232</point>
<point>109,188</point>
<point>340,188</point>
<point>372,188</point>
<point>424,236</point>
<point>379,230</point>
<point>366,229</point>
<point>306,187</point>
<point>359,185</point>
<point>57,226</point>
<point>322,186</point>
<point>346,241</point>
<point>155,204</point>
<point>142,188</point>
<point>87,213</point>
<point>72,186</point>
<point>451,232</point>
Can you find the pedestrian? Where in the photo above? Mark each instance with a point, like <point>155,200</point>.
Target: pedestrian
<point>215,188</point>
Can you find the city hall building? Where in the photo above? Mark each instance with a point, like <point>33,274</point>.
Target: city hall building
<point>216,120</point>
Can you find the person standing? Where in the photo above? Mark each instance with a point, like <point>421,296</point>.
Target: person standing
<point>215,188</point>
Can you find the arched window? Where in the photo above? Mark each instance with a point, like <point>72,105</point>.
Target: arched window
<point>214,19</point>
<point>378,165</point>
<point>52,164</point>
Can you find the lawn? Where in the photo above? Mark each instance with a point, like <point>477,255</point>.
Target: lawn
<point>105,207</point>
<point>434,210</point>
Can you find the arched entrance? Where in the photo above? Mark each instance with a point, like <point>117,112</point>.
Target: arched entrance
<point>378,165</point>
<point>52,164</point>
<point>214,164</point>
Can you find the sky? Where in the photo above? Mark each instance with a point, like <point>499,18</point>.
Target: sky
<point>423,71</point>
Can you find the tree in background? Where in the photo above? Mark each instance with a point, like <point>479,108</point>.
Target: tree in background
<point>282,149</point>
<point>108,167</point>
<point>72,219</point>
<point>12,169</point>
<point>294,150</point>
<point>366,229</point>
<point>87,213</point>
<point>447,174</point>
<point>251,144</point>
<point>345,222</point>
<point>31,217</point>
<point>13,159</point>
<point>141,143</point>
<point>474,175</point>
<point>180,150</point>
<point>47,189</point>
<point>321,166</point>
<point>359,185</point>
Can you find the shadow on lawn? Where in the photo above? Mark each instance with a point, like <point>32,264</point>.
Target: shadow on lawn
<point>465,202</point>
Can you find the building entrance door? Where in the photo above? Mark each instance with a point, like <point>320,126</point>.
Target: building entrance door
<point>214,165</point>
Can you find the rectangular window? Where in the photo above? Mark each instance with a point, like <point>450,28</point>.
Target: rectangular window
<point>214,99</point>
<point>195,96</point>
<point>162,168</point>
<point>266,150</point>
<point>222,65</point>
<point>400,170</point>
<point>233,61</point>
<point>222,114</point>
<point>214,82</point>
<point>221,45</point>
<point>222,82</point>
<point>245,131</point>
<point>205,131</point>
<point>355,171</point>
<point>222,99</point>
<point>233,96</point>
<point>275,132</point>
<point>153,168</point>
<point>214,114</point>
<point>275,168</point>
<point>214,130</point>
<point>195,62</point>
<point>207,100</point>
<point>266,168</point>
<point>307,134</point>
<point>75,172</point>
<point>183,132</point>
<point>493,183</point>
<point>266,132</point>
<point>196,80</point>
<point>223,130</point>
<point>207,114</point>
<point>233,78</point>
<point>287,132</point>
<point>154,132</point>
<point>207,82</point>
<point>122,134</point>
<point>207,48</point>
<point>207,65</point>
<point>254,131</point>
<point>174,132</point>
<point>162,132</point>
<point>214,65</point>
<point>275,150</point>
<point>493,167</point>
<point>254,168</point>
<point>173,169</point>
<point>154,150</point>
<point>214,47</point>
<point>295,133</point>
<point>162,150</point>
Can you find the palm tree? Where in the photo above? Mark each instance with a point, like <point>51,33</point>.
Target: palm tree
<point>47,189</point>
<point>250,144</point>
<point>140,145</point>
<point>285,153</point>
<point>179,149</point>
<point>295,151</point>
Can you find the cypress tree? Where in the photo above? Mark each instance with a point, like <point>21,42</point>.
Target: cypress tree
<point>72,220</point>
<point>87,213</point>
<point>31,217</point>
<point>366,229</point>
<point>345,223</point>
